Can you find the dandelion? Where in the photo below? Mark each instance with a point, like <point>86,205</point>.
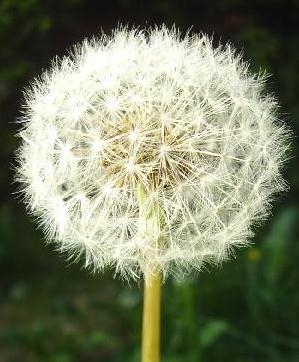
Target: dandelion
<point>151,152</point>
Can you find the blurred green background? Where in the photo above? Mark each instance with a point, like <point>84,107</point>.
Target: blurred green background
<point>51,310</point>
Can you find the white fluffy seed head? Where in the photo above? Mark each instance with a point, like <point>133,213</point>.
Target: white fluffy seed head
<point>147,149</point>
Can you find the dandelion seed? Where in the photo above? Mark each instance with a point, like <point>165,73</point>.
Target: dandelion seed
<point>133,136</point>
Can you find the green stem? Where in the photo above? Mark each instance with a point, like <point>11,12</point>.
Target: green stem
<point>151,319</point>
<point>150,225</point>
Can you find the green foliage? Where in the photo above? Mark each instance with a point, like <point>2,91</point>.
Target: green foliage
<point>51,311</point>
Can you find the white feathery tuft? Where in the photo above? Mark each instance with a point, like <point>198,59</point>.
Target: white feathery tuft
<point>144,126</point>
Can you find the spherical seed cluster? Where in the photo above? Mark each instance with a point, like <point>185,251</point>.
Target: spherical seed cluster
<point>149,149</point>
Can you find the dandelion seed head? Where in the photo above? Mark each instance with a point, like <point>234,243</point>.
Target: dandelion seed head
<point>150,148</point>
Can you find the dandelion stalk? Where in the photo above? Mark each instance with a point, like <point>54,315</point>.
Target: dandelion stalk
<point>150,225</point>
<point>151,319</point>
